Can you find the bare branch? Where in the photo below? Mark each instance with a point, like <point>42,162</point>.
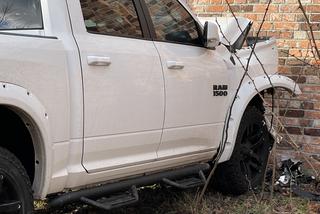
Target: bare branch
<point>310,28</point>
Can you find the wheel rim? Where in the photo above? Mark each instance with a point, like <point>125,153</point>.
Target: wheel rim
<point>10,198</point>
<point>253,151</point>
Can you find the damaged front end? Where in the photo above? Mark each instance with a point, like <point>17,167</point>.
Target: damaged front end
<point>233,31</point>
<point>253,65</point>
<point>237,47</point>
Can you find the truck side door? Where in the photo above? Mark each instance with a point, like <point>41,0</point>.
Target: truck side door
<point>195,114</point>
<point>122,81</point>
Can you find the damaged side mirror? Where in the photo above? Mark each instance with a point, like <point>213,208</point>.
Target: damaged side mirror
<point>211,35</point>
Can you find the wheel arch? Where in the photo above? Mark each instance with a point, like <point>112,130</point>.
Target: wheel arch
<point>249,95</point>
<point>28,108</point>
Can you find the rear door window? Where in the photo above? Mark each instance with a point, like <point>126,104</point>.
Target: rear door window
<point>111,17</point>
<point>20,14</point>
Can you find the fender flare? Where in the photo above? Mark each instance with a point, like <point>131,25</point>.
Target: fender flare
<point>31,110</point>
<point>246,93</point>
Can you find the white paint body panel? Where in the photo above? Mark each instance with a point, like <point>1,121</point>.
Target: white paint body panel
<point>246,93</point>
<point>123,99</point>
<point>127,113</point>
<point>191,120</point>
<point>27,67</point>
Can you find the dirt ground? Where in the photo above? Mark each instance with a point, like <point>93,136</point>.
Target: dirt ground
<point>157,200</point>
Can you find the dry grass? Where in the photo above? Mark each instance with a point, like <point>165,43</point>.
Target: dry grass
<point>158,200</point>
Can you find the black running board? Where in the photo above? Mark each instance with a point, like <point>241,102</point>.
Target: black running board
<point>107,189</point>
<point>187,183</point>
<point>116,201</point>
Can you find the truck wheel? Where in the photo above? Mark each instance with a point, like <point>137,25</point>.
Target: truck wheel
<point>15,188</point>
<point>248,162</point>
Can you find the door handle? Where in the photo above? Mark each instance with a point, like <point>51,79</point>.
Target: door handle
<point>175,65</point>
<point>98,60</point>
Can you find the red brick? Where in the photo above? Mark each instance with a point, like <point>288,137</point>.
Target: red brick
<point>286,35</point>
<point>217,8</point>
<point>298,79</point>
<point>283,69</point>
<point>314,148</point>
<point>315,17</point>
<point>313,8</point>
<point>275,34</point>
<point>276,17</point>
<point>297,122</point>
<point>300,18</point>
<point>294,62</point>
<point>197,8</point>
<point>205,2</point>
<point>292,104</point>
<point>310,97</point>
<point>235,8</point>
<point>305,26</point>
<point>312,132</point>
<point>246,8</point>
<point>286,26</point>
<point>295,52</point>
<point>289,8</point>
<point>310,88</point>
<point>296,70</point>
<point>261,8</point>
<point>303,44</point>
<point>312,115</point>
<point>308,105</point>
<point>277,1</point>
<point>317,105</point>
<point>265,26</point>
<point>250,16</point>
<point>262,16</point>
<point>311,71</point>
<point>293,130</point>
<point>291,113</point>
<point>240,1</point>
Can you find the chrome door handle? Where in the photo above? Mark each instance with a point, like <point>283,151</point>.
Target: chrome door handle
<point>175,65</point>
<point>98,60</point>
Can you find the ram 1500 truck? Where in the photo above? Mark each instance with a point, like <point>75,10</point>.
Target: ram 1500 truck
<point>104,96</point>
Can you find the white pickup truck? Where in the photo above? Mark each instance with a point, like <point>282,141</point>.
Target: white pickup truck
<point>104,96</point>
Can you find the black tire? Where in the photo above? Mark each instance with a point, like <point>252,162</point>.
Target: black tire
<point>15,187</point>
<point>248,162</point>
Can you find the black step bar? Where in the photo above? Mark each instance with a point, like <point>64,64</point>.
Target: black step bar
<point>187,183</point>
<point>115,201</point>
<point>106,189</point>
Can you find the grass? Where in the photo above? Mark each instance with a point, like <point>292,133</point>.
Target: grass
<point>157,200</point>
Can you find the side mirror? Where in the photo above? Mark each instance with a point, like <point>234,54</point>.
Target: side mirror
<point>211,35</point>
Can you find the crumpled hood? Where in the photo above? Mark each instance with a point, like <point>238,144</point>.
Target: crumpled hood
<point>230,28</point>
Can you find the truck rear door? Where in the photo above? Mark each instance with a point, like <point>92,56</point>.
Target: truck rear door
<point>123,84</point>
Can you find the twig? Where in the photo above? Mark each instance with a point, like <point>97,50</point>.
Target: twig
<point>310,28</point>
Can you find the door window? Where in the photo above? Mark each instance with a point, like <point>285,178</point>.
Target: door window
<point>113,17</point>
<point>172,22</point>
<point>20,14</point>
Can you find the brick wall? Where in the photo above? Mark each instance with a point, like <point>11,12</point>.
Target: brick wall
<point>285,22</point>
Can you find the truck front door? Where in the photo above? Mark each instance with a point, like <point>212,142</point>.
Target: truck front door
<point>196,81</point>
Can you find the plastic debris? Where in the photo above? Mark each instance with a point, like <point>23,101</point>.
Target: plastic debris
<point>293,177</point>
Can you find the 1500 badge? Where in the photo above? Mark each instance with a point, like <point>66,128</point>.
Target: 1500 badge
<point>220,90</point>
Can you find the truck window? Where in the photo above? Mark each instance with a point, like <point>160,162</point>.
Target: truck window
<point>20,14</point>
<point>172,22</point>
<point>112,17</point>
